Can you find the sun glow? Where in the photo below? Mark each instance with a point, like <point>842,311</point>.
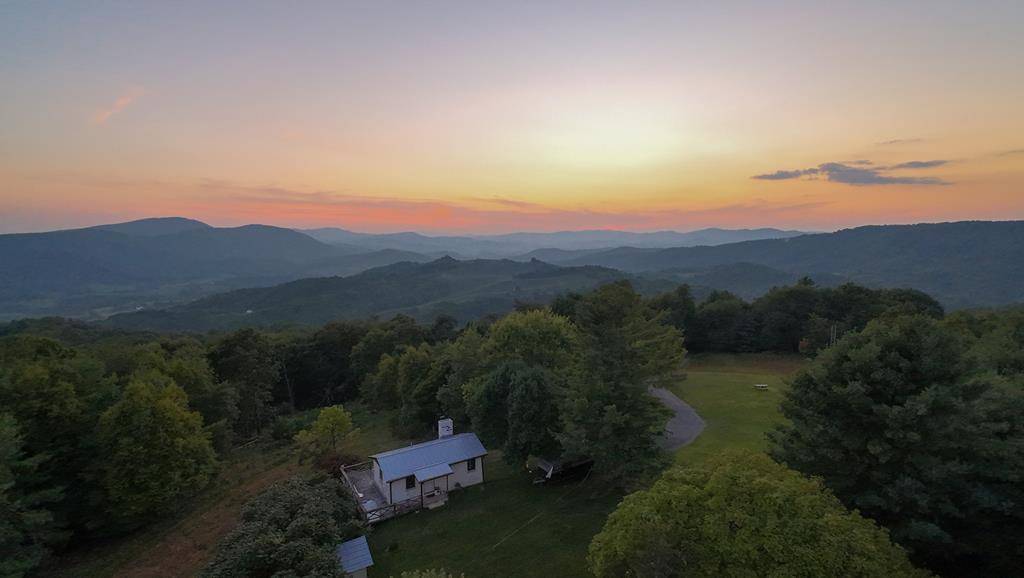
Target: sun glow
<point>611,137</point>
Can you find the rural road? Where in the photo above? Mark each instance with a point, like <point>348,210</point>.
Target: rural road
<point>685,425</point>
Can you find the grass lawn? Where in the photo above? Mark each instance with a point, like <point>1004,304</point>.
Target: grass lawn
<point>736,416</point>
<point>504,527</point>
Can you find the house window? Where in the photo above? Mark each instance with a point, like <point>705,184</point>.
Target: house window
<point>471,465</point>
<point>410,482</point>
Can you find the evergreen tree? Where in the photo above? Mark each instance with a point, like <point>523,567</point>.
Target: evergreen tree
<point>896,426</point>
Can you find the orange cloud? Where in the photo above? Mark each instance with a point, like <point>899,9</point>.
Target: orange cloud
<point>122,102</point>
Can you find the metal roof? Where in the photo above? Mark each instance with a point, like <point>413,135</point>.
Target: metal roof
<point>431,472</point>
<point>403,462</point>
<point>354,555</point>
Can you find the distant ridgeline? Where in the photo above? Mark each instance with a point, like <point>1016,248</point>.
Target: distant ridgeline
<point>183,274</point>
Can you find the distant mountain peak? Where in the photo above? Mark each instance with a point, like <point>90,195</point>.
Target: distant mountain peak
<point>154,226</point>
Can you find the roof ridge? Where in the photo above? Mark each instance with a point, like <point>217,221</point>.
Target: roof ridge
<point>422,444</point>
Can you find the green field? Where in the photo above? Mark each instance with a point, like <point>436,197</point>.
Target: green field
<point>509,527</point>
<point>736,415</point>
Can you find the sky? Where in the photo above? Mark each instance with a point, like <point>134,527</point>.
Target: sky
<point>481,116</point>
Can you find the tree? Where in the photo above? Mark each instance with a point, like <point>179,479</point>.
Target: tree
<point>247,360</point>
<point>679,307</point>
<point>318,369</point>
<point>56,394</point>
<point>514,408</point>
<point>380,388</point>
<point>383,339</point>
<point>894,423</point>
<point>466,361</point>
<point>333,424</point>
<point>290,529</point>
<point>216,401</point>
<point>27,528</point>
<point>155,452</point>
<point>741,515</point>
<point>608,414</point>
<point>723,322</point>
<point>536,338</point>
<point>420,375</point>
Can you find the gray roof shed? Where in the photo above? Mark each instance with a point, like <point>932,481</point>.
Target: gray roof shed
<point>354,555</point>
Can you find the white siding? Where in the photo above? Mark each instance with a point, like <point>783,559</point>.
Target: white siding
<point>460,475</point>
<point>399,493</point>
<point>378,481</point>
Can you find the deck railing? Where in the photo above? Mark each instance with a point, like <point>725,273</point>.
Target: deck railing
<point>384,512</point>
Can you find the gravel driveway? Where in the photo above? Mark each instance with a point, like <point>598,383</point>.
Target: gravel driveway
<point>685,425</point>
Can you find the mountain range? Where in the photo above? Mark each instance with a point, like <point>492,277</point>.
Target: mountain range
<point>175,269</point>
<point>97,271</point>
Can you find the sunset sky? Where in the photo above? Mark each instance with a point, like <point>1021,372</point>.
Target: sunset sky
<point>480,116</point>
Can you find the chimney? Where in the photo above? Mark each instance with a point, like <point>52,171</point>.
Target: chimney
<point>445,427</point>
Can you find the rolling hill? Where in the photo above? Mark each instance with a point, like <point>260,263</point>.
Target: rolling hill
<point>969,263</point>
<point>98,270</point>
<point>464,289</point>
<point>521,244</point>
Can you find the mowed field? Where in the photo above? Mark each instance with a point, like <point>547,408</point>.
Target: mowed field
<point>736,414</point>
<point>510,527</point>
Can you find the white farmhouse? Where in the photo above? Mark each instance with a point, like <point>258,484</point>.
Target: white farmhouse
<point>428,471</point>
<point>418,476</point>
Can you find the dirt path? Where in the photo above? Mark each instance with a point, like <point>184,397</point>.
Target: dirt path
<point>685,425</point>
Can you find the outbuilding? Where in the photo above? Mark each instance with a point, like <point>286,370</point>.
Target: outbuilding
<point>354,557</point>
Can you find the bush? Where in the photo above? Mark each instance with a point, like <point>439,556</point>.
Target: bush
<point>292,528</point>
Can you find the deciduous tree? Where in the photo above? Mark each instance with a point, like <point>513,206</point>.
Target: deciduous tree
<point>154,452</point>
<point>741,515</point>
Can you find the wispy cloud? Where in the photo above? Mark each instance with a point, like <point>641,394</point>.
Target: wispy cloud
<point>123,101</point>
<point>862,175</point>
<point>361,212</point>
<point>1010,153</point>
<point>919,165</point>
<point>899,141</point>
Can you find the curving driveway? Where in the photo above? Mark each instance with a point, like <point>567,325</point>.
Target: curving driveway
<point>685,425</point>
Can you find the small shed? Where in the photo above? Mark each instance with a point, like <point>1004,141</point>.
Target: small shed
<point>354,557</point>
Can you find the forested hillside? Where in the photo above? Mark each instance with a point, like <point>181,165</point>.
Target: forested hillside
<point>101,270</point>
<point>462,289</point>
<point>970,263</point>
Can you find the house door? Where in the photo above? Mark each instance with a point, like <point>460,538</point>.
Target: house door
<point>432,486</point>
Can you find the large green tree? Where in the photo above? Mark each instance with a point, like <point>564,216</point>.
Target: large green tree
<point>608,414</point>
<point>897,426</point>
<point>741,515</point>
<point>56,395</point>
<point>154,452</point>
<point>27,527</point>
<point>249,362</point>
<point>514,408</point>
